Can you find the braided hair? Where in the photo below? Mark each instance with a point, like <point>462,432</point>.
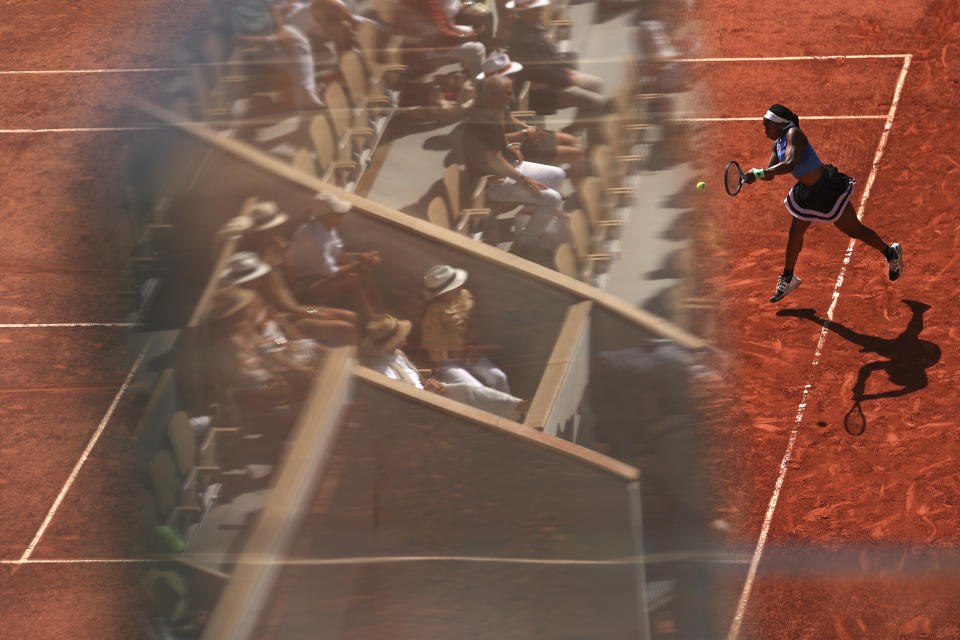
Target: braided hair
<point>783,112</point>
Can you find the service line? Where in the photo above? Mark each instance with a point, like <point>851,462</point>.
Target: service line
<point>655,558</point>
<point>79,130</point>
<point>772,506</point>
<point>54,72</point>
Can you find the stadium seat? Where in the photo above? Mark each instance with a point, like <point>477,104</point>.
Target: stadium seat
<point>583,245</point>
<point>303,161</point>
<point>600,213</point>
<point>330,168</point>
<point>437,213</point>
<point>609,172</point>
<point>565,260</point>
<point>461,218</point>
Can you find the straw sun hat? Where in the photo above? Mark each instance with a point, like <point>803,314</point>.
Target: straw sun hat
<point>384,333</point>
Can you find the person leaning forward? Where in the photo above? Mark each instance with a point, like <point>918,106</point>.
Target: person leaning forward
<point>322,272</point>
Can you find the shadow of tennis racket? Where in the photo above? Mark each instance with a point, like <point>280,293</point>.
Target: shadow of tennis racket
<point>855,423</point>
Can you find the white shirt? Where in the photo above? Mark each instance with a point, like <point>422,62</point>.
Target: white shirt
<point>396,366</point>
<point>451,8</point>
<point>314,251</point>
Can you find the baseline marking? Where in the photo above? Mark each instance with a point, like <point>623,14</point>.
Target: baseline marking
<point>878,116</point>
<point>772,506</point>
<point>858,56</point>
<point>83,457</point>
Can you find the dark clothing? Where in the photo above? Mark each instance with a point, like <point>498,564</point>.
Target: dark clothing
<point>542,61</point>
<point>543,150</point>
<point>822,201</point>
<point>482,132</point>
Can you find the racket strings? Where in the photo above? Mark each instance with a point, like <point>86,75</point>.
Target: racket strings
<point>731,177</point>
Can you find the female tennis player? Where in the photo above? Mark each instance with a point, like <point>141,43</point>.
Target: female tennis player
<point>821,194</point>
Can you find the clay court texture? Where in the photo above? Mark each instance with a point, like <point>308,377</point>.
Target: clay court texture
<point>848,520</point>
<point>832,534</point>
<point>67,498</point>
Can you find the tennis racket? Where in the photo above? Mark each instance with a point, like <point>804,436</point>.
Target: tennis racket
<point>733,178</point>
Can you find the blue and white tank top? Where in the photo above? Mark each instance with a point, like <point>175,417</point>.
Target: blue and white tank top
<point>808,159</point>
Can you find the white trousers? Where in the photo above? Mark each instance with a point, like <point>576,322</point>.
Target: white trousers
<point>540,229</point>
<point>492,395</point>
<point>469,54</point>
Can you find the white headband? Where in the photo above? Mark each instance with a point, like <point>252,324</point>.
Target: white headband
<point>770,115</point>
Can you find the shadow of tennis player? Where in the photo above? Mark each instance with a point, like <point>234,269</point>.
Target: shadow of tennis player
<point>907,356</point>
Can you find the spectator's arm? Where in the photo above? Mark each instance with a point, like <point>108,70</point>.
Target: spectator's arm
<point>441,23</point>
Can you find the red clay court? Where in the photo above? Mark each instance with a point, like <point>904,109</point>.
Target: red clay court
<point>832,535</point>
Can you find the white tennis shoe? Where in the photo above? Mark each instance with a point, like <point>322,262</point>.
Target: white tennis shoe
<point>895,264</point>
<point>784,287</point>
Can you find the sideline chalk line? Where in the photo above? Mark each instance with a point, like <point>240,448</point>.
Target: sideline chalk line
<point>772,506</point>
<point>62,325</point>
<point>83,457</point>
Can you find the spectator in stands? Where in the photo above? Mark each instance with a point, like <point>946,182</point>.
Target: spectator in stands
<point>329,24</point>
<point>241,357</point>
<point>530,44</point>
<point>261,23</point>
<point>515,179</point>
<point>429,23</point>
<point>337,326</point>
<point>381,350</point>
<point>448,330</point>
<point>268,238</point>
<point>537,145</point>
<point>322,272</point>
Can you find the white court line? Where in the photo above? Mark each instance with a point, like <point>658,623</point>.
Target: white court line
<point>772,506</point>
<point>83,457</point>
<point>79,130</point>
<point>38,72</point>
<point>60,325</point>
<point>859,56</point>
<point>41,72</point>
<point>878,116</point>
<point>724,558</point>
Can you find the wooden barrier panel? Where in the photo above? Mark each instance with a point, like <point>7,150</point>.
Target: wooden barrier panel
<point>315,433</point>
<point>434,520</point>
<point>556,407</point>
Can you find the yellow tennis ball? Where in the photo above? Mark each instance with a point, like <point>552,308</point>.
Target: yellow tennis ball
<point>701,186</point>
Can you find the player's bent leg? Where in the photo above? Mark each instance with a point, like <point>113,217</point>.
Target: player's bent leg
<point>851,225</point>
